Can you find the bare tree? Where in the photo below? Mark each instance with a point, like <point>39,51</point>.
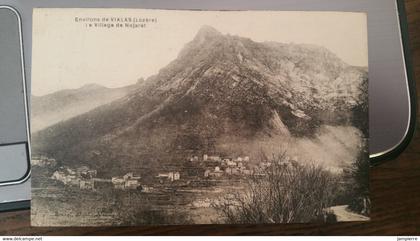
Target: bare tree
<point>283,193</point>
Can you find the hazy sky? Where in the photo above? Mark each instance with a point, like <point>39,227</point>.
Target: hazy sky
<point>68,55</point>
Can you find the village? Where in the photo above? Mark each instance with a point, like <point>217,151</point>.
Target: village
<point>206,167</point>
<point>217,167</point>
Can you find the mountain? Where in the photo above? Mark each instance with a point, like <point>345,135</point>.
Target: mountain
<point>63,105</point>
<point>223,94</point>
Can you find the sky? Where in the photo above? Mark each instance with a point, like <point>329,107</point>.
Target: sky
<point>68,54</point>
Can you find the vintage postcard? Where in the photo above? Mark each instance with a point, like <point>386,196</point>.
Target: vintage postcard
<point>198,117</point>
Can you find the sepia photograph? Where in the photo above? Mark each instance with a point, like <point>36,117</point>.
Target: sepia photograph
<point>171,117</point>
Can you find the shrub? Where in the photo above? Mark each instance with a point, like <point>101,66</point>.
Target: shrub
<point>359,187</point>
<point>282,194</point>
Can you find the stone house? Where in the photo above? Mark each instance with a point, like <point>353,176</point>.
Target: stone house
<point>86,172</point>
<point>146,189</point>
<point>128,181</point>
<point>131,176</point>
<point>70,171</point>
<point>87,184</point>
<point>231,163</point>
<point>207,173</point>
<point>172,176</point>
<point>72,180</point>
<point>118,182</point>
<point>131,184</point>
<point>214,158</point>
<point>177,176</point>
<point>42,162</point>
<point>59,176</point>
<point>216,174</point>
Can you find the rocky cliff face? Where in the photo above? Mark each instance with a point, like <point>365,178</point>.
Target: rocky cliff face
<point>221,89</point>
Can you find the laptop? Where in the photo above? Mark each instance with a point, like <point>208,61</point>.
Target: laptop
<point>391,116</point>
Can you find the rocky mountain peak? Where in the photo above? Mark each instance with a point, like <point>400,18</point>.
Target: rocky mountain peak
<point>208,32</point>
<point>220,86</point>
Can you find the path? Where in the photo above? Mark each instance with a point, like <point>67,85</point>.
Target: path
<point>344,215</point>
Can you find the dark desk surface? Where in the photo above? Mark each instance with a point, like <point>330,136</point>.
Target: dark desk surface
<point>395,190</point>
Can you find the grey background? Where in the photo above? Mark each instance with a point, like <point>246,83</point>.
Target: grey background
<point>12,113</point>
<point>14,163</point>
<point>388,89</point>
<point>13,158</point>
